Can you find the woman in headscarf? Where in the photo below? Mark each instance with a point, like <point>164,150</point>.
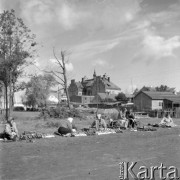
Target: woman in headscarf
<point>10,130</point>
<point>67,128</point>
<point>99,123</point>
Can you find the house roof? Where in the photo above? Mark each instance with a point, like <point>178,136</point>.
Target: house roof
<point>175,100</point>
<point>110,85</point>
<point>89,82</point>
<point>159,95</point>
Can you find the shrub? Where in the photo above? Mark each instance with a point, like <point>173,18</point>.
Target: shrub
<point>60,112</point>
<point>19,108</point>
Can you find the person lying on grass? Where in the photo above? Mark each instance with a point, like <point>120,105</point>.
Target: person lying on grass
<point>67,128</point>
<point>99,123</point>
<point>10,130</point>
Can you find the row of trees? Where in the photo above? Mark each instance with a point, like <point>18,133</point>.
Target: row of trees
<point>37,90</point>
<point>161,88</point>
<point>17,49</point>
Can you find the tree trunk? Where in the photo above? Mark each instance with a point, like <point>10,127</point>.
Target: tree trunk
<point>65,80</point>
<point>6,97</point>
<point>10,95</point>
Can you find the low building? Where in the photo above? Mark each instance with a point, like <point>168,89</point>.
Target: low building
<point>104,98</point>
<point>154,100</point>
<point>81,99</point>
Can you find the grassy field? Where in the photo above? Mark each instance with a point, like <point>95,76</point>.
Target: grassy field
<point>85,158</point>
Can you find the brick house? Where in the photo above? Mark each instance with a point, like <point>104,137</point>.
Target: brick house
<point>90,87</point>
<point>85,90</point>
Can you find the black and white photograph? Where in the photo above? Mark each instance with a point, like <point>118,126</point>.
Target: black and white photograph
<point>89,89</point>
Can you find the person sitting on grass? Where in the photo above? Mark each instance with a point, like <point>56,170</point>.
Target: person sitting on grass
<point>10,130</point>
<point>131,120</point>
<point>99,123</point>
<point>167,120</point>
<point>68,128</point>
<point>124,122</point>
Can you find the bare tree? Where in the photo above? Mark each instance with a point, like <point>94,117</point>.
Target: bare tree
<point>61,73</point>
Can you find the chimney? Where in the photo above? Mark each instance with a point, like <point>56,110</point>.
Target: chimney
<point>104,77</point>
<point>72,81</point>
<point>82,79</point>
<point>108,79</point>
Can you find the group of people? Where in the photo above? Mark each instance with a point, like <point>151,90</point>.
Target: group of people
<point>68,128</point>
<point>126,120</point>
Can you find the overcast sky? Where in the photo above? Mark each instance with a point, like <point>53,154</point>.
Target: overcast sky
<point>133,41</point>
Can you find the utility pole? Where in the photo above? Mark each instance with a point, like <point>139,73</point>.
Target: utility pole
<point>58,96</point>
<point>97,94</point>
<point>132,85</point>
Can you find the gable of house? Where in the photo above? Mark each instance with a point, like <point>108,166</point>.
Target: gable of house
<point>142,101</point>
<point>75,88</point>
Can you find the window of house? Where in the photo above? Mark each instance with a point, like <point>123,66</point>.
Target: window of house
<point>160,104</point>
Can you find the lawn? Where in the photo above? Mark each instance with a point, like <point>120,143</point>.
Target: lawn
<point>85,158</point>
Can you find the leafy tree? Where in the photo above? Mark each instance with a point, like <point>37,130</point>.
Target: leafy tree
<point>17,47</point>
<point>38,88</point>
<point>146,88</point>
<point>162,88</point>
<point>121,97</point>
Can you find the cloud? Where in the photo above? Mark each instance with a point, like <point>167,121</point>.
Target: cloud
<point>102,63</point>
<point>69,66</point>
<point>91,48</point>
<point>163,16</point>
<point>70,14</point>
<point>38,11</point>
<point>155,47</point>
<point>69,17</point>
<point>1,7</point>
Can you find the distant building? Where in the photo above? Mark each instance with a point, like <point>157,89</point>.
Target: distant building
<point>90,87</point>
<point>85,90</point>
<point>104,98</point>
<point>155,100</point>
